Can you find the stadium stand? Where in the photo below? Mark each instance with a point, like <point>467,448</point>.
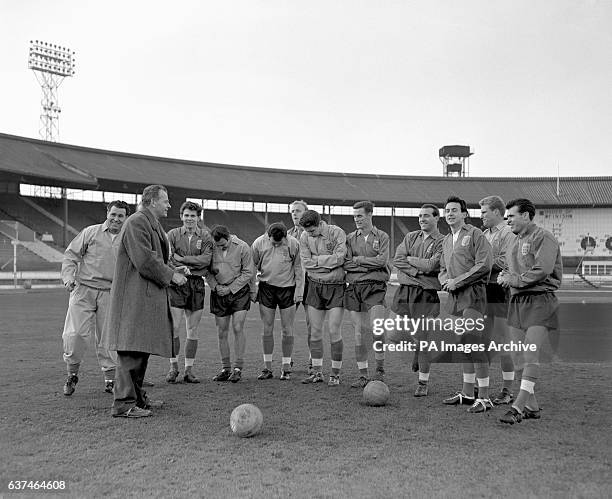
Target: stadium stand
<point>26,259</point>
<point>20,209</point>
<point>577,210</point>
<point>80,213</point>
<point>34,161</point>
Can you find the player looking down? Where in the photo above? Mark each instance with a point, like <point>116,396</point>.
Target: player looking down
<point>276,257</point>
<point>323,249</point>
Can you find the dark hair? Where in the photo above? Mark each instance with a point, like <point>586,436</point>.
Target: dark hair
<point>455,199</point>
<point>367,206</point>
<point>523,205</point>
<point>494,203</point>
<point>434,209</point>
<point>277,231</point>
<point>219,232</point>
<point>122,205</point>
<point>190,205</point>
<point>151,192</point>
<point>310,218</point>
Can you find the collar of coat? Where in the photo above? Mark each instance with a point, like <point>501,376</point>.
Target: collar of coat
<point>155,223</point>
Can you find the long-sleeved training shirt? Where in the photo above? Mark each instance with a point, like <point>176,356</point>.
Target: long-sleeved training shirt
<point>323,255</point>
<point>197,250</point>
<point>501,239</point>
<point>90,257</point>
<point>424,271</point>
<point>278,264</point>
<point>469,260</point>
<point>534,262</point>
<point>234,269</point>
<point>367,259</point>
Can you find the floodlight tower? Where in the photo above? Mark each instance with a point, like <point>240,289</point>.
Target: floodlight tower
<point>51,64</point>
<point>455,160</point>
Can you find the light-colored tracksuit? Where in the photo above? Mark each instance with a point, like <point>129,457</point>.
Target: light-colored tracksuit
<point>90,261</point>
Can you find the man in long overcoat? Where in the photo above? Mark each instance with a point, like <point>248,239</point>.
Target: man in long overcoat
<point>139,322</point>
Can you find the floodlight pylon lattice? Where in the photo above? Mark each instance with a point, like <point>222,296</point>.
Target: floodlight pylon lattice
<point>51,64</point>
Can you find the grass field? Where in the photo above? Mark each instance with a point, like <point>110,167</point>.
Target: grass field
<point>316,441</point>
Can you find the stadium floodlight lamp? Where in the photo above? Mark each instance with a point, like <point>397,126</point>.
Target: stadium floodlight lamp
<point>51,59</point>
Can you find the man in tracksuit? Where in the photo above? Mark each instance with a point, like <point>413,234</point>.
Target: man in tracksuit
<point>465,266</point>
<point>535,271</point>
<point>323,249</point>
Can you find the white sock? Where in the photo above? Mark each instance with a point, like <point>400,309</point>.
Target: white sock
<point>527,385</point>
<point>484,382</point>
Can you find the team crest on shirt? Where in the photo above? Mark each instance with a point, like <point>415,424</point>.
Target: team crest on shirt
<point>329,245</point>
<point>199,244</point>
<point>525,248</point>
<point>376,245</point>
<point>465,241</point>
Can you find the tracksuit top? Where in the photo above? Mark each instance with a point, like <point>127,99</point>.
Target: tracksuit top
<point>235,269</point>
<point>469,260</point>
<point>367,260</point>
<point>534,262</point>
<point>278,265</point>
<point>323,255</point>
<point>501,238</point>
<point>198,251</point>
<point>424,272</point>
<point>90,257</point>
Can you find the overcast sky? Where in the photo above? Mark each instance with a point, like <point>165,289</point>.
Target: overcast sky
<point>335,85</point>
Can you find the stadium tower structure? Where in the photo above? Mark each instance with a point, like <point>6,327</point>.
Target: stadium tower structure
<point>51,64</point>
<point>455,160</point>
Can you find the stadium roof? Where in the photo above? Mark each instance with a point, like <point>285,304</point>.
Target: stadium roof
<point>35,161</point>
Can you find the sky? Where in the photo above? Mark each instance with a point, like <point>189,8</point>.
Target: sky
<point>326,85</point>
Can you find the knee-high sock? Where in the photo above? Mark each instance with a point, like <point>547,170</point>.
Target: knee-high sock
<point>361,355</point>
<point>379,356</point>
<point>469,379</point>
<point>191,347</point>
<point>530,375</point>
<point>287,345</point>
<point>316,353</point>
<point>268,349</point>
<point>336,356</point>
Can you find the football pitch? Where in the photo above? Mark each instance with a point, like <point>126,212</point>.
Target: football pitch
<point>317,441</point>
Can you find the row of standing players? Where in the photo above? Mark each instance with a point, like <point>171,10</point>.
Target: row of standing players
<point>507,274</point>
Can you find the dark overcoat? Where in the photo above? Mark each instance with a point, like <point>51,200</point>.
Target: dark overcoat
<point>139,316</point>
